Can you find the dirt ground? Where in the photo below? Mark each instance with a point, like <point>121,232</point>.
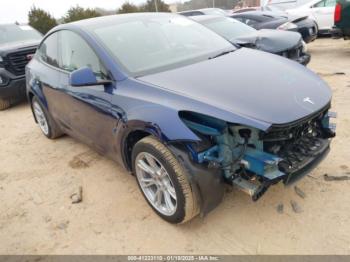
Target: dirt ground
<point>38,176</point>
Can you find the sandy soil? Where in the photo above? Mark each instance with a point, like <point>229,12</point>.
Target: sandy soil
<point>37,177</point>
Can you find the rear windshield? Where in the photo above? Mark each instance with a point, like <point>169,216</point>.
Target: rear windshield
<point>228,28</point>
<point>17,33</point>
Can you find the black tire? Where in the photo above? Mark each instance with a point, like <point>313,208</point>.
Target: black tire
<point>4,104</point>
<point>187,206</point>
<point>53,129</point>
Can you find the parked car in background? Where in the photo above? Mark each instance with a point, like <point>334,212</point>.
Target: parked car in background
<point>18,44</point>
<point>270,20</point>
<point>285,4</point>
<point>180,107</point>
<point>269,8</point>
<point>321,11</point>
<point>205,11</point>
<point>284,43</point>
<point>342,20</point>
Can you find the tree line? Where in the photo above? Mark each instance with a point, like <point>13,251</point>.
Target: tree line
<point>43,21</point>
<point>197,4</point>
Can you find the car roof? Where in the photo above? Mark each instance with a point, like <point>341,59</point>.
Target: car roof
<point>115,19</point>
<point>200,10</point>
<point>258,13</point>
<point>200,18</point>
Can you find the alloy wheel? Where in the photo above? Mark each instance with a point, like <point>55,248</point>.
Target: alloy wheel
<point>156,183</point>
<point>41,118</point>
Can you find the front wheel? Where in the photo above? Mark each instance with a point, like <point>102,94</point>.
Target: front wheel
<point>163,181</point>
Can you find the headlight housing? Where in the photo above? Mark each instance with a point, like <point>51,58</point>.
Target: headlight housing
<point>287,26</point>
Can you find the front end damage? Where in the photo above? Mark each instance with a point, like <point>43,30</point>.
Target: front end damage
<point>253,160</point>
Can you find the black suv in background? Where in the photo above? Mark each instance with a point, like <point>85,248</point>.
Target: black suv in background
<point>18,44</point>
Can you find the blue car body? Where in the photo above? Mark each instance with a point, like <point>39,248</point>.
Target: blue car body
<point>245,87</point>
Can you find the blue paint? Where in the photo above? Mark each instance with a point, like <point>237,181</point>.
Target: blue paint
<point>234,88</point>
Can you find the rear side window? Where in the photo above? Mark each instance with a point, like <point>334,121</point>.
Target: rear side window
<point>192,13</point>
<point>48,50</point>
<point>326,3</point>
<point>330,3</point>
<point>76,53</point>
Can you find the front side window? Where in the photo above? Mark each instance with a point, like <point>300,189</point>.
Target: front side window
<point>330,3</point>
<point>76,53</point>
<point>153,44</point>
<point>48,50</point>
<point>320,4</point>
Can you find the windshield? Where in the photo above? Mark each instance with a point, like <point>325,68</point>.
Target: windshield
<point>150,44</point>
<point>17,33</point>
<point>228,28</point>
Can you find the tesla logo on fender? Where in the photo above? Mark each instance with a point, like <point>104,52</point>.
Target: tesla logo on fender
<point>30,56</point>
<point>308,100</point>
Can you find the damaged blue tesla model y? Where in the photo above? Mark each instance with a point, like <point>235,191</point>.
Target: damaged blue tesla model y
<point>180,107</point>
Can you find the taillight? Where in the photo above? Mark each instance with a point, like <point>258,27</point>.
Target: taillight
<point>337,13</point>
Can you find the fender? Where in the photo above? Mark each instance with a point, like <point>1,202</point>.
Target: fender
<point>207,184</point>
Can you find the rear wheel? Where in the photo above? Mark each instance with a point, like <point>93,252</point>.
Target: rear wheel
<point>46,123</point>
<point>163,181</point>
<point>4,104</point>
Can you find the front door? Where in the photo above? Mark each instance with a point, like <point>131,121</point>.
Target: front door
<point>88,107</point>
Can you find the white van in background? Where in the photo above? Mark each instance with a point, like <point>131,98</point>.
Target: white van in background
<point>284,4</point>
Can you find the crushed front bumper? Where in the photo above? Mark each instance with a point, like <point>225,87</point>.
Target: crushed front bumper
<point>308,165</point>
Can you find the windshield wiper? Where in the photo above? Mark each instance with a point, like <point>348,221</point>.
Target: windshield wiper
<point>222,53</point>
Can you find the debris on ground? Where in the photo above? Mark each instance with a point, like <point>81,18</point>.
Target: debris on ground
<point>36,198</point>
<point>344,167</point>
<point>335,178</point>
<point>84,160</point>
<point>299,192</point>
<point>63,225</point>
<point>77,163</point>
<point>279,208</point>
<point>331,74</point>
<point>47,219</point>
<point>296,207</point>
<point>311,176</point>
<point>77,196</point>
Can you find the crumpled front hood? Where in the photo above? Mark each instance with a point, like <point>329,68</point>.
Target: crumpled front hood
<point>269,40</point>
<point>249,83</point>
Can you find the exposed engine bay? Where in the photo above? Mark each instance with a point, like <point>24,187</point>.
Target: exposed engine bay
<point>253,160</point>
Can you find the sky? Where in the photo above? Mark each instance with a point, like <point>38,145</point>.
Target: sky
<point>17,10</point>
